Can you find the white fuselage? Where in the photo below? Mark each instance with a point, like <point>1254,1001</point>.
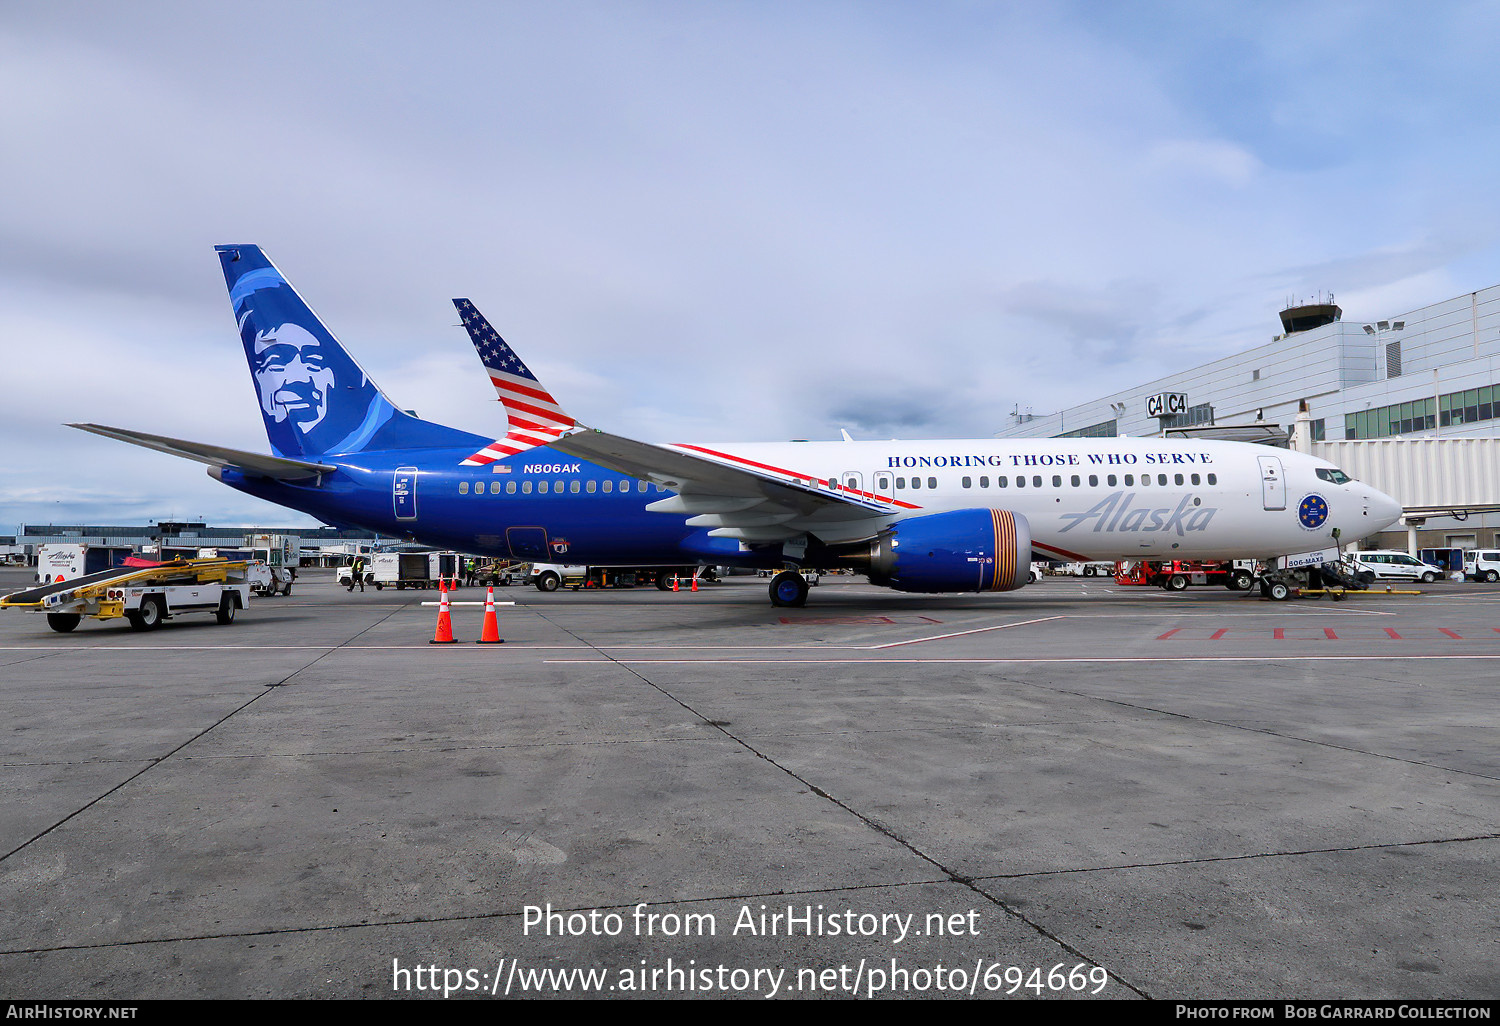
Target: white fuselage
<point>1101,498</point>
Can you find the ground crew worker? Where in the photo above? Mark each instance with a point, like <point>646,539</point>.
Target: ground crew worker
<point>357,573</point>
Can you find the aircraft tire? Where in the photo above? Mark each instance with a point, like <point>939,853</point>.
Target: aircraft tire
<point>788,589</point>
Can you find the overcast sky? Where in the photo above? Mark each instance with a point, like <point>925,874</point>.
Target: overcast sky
<point>705,221</point>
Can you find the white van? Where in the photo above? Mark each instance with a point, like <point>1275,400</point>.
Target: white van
<point>1389,564</point>
<point>1482,565</point>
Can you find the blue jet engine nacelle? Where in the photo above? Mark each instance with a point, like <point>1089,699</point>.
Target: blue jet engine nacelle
<point>965,550</point>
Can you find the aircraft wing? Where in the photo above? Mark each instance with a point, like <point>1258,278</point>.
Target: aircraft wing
<point>277,467</point>
<point>735,497</point>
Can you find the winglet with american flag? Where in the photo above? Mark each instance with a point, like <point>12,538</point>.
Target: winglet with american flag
<point>535,417</point>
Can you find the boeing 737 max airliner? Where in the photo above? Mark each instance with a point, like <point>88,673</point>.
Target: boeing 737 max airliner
<point>916,516</point>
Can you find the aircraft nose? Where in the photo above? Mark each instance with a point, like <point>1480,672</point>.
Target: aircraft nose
<point>1381,509</point>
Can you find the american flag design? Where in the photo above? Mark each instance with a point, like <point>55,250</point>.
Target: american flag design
<point>535,417</point>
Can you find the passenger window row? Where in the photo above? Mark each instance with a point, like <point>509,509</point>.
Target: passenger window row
<point>558,487</point>
<point>1037,481</point>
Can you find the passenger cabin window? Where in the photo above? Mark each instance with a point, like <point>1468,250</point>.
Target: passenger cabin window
<point>1036,481</point>
<point>510,488</point>
<point>1213,479</point>
<point>526,487</point>
<point>1056,480</point>
<point>984,482</point>
<point>916,482</point>
<point>463,488</point>
<point>932,482</point>
<point>592,486</point>
<point>541,486</point>
<point>1112,480</point>
<point>967,482</point>
<point>1178,479</point>
<point>1161,479</point>
<point>883,483</point>
<point>1093,480</point>
<point>1076,481</point>
<point>608,487</point>
<point>494,487</point>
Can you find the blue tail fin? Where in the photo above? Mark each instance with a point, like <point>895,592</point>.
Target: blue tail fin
<point>314,398</point>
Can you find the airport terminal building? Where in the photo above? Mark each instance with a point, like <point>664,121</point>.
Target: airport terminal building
<point>1432,372</point>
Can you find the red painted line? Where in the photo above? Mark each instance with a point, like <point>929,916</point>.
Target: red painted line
<point>1279,634</point>
<point>1218,634</point>
<point>1062,552</point>
<point>1169,633</point>
<point>1393,634</point>
<point>1328,633</point>
<point>1451,634</point>
<point>775,470</point>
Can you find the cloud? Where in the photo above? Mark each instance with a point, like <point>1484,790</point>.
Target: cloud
<point>719,221</point>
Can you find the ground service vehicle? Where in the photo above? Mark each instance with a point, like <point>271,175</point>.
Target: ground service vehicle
<point>1388,564</point>
<point>1482,565</point>
<point>551,576</point>
<point>1175,575</point>
<point>145,594</point>
<point>63,561</point>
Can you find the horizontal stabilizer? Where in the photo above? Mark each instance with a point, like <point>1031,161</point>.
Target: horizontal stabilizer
<point>277,467</point>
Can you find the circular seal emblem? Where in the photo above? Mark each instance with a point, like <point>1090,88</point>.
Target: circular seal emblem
<point>1312,511</point>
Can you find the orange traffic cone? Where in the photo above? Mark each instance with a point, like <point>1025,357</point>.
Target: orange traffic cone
<point>491,634</point>
<point>674,582</point>
<point>695,582</point>
<point>444,635</point>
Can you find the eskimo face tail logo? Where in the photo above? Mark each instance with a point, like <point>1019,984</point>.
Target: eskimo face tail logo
<point>313,397</point>
<point>1312,511</point>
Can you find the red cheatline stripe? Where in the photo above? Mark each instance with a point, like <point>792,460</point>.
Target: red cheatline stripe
<point>1061,552</point>
<point>812,478</point>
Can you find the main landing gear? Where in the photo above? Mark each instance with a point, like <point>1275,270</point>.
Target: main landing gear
<point>788,588</point>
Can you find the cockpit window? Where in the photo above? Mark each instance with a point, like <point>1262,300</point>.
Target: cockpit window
<point>1333,476</point>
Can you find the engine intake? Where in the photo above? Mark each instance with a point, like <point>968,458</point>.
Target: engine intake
<point>964,550</point>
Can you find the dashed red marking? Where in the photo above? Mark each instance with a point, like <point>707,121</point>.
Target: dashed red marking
<point>1310,633</point>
